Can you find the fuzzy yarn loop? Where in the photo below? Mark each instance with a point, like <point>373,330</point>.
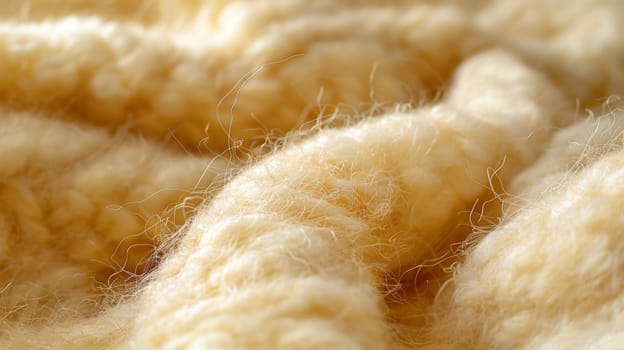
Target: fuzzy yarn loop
<point>292,174</point>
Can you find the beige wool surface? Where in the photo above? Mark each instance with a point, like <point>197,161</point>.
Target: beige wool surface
<point>296,174</point>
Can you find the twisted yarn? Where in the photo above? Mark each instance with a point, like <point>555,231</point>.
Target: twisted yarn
<point>291,174</point>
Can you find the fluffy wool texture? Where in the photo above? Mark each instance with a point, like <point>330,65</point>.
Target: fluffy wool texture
<point>294,174</point>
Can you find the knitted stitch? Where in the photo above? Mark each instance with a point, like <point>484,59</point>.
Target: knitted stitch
<point>292,174</point>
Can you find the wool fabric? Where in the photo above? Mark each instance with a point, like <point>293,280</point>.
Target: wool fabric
<point>293,174</point>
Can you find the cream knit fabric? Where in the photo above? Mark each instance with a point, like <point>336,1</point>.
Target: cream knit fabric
<point>327,174</point>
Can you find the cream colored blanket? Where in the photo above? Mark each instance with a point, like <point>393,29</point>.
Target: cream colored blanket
<point>298,174</point>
